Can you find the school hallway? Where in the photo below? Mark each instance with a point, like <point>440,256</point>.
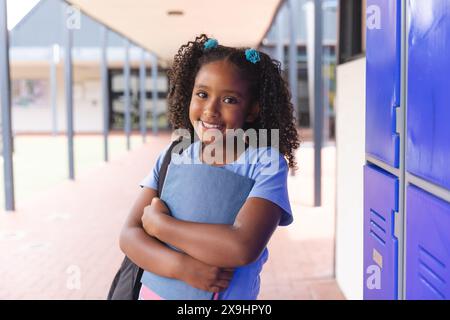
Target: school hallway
<point>63,242</point>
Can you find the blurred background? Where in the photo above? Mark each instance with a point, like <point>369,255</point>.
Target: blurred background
<point>84,116</point>
<point>81,114</point>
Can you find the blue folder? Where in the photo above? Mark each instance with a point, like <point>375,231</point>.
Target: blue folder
<point>198,193</point>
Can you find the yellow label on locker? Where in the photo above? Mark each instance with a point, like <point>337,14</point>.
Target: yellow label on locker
<point>378,258</point>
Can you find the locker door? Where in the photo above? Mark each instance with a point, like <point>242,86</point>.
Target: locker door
<point>380,243</point>
<point>383,79</point>
<point>428,143</point>
<point>427,246</point>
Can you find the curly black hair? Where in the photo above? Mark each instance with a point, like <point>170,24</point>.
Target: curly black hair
<point>266,86</point>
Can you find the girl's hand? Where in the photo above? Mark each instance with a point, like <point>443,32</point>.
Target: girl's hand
<point>203,276</point>
<point>153,214</point>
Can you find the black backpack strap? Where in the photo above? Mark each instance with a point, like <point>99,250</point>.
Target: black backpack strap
<point>165,164</point>
<point>137,275</point>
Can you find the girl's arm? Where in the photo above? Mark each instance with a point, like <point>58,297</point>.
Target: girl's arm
<point>152,255</point>
<point>217,244</point>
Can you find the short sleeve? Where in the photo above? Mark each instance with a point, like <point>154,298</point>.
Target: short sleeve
<point>151,180</point>
<point>271,184</point>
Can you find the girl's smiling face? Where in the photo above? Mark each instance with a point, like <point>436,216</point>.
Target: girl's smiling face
<point>220,99</point>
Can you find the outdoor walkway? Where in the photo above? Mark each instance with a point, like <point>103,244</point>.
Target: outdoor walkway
<point>63,242</point>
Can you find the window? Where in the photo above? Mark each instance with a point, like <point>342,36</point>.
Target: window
<point>351,29</point>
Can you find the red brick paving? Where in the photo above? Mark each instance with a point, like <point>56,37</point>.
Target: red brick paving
<point>68,236</point>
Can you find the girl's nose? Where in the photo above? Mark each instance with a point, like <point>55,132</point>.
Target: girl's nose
<point>212,108</point>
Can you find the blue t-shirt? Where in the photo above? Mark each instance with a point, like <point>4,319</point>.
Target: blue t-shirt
<point>269,169</point>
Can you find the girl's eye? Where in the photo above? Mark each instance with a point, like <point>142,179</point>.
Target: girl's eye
<point>201,95</point>
<point>230,100</point>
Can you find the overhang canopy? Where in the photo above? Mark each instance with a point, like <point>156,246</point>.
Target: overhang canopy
<point>149,24</point>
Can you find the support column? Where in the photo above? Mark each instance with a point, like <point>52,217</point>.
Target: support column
<point>280,36</point>
<point>293,77</point>
<point>127,97</point>
<point>105,89</point>
<point>154,62</point>
<point>5,92</point>
<point>143,97</point>
<point>68,82</point>
<point>54,60</point>
<point>318,103</point>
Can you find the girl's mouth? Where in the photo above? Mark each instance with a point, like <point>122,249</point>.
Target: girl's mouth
<point>207,125</point>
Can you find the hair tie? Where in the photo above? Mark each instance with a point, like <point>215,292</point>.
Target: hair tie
<point>210,44</point>
<point>252,55</point>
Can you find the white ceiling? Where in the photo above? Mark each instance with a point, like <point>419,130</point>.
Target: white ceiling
<point>16,10</point>
<point>146,22</point>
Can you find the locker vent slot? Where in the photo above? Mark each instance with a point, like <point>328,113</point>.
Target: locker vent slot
<point>376,214</point>
<point>426,253</point>
<point>376,236</point>
<point>378,226</point>
<point>431,287</point>
<point>430,270</point>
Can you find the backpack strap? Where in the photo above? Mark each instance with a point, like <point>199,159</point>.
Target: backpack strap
<point>165,164</point>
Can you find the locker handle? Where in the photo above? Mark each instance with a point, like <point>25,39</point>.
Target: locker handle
<point>397,121</point>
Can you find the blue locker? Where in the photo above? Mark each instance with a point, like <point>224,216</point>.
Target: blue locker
<point>428,143</point>
<point>380,243</point>
<point>427,246</point>
<point>383,79</point>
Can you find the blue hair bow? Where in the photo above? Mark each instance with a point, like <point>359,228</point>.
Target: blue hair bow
<point>210,44</point>
<point>252,55</point>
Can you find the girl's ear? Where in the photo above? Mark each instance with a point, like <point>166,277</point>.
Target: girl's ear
<point>253,113</point>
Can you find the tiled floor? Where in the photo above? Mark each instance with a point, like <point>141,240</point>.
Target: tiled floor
<point>62,243</point>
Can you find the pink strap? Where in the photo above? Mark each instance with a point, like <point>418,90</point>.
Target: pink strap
<point>147,294</point>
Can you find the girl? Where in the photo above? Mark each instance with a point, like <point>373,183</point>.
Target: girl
<point>214,87</point>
